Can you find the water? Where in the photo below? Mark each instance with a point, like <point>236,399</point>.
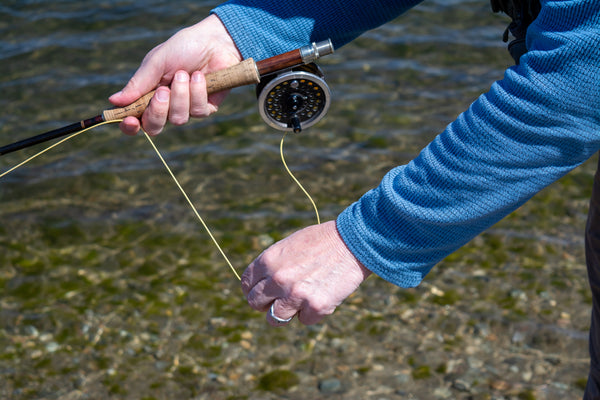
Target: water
<point>62,60</point>
<point>109,286</point>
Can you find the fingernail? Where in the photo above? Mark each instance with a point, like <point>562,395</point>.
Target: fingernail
<point>162,95</point>
<point>196,77</point>
<point>181,77</point>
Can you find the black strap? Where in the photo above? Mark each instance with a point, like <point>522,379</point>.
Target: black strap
<point>522,13</point>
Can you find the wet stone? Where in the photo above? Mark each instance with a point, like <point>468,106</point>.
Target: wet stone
<point>52,347</point>
<point>330,386</point>
<point>402,379</point>
<point>474,363</point>
<point>461,385</point>
<point>442,393</point>
<point>31,331</point>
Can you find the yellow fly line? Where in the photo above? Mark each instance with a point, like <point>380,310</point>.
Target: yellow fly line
<point>185,195</point>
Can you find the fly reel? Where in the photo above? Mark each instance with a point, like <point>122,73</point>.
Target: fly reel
<point>294,99</point>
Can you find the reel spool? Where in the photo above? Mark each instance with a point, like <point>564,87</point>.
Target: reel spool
<point>294,99</point>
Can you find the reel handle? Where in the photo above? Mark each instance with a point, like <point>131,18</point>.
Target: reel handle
<point>242,74</point>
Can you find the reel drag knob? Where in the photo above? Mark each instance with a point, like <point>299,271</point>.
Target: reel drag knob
<point>293,100</point>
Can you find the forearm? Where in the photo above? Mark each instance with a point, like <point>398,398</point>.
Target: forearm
<point>534,126</point>
<point>264,28</point>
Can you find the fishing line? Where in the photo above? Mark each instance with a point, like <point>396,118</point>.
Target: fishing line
<point>198,214</point>
<point>192,205</point>
<point>296,180</point>
<point>54,145</point>
<point>185,195</point>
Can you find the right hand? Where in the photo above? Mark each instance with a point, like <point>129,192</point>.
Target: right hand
<point>176,69</point>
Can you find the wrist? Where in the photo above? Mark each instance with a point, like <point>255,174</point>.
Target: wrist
<point>222,36</point>
<point>344,251</point>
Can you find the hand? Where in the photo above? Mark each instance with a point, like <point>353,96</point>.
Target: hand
<point>176,69</point>
<point>307,274</point>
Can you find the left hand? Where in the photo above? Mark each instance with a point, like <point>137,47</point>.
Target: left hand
<point>307,274</point>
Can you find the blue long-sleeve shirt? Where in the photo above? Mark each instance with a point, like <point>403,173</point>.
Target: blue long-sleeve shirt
<point>533,126</point>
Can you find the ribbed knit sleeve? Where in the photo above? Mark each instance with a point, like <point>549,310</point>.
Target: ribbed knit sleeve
<point>264,28</point>
<point>538,123</point>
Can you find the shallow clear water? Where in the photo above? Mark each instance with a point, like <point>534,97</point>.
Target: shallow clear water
<point>103,265</point>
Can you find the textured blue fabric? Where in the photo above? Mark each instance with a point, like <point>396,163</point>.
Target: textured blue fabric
<point>262,29</point>
<point>532,127</point>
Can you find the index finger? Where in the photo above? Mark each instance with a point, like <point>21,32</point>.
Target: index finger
<point>254,273</point>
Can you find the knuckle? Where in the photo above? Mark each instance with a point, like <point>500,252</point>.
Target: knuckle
<point>268,258</point>
<point>157,113</point>
<point>179,119</point>
<point>152,131</point>
<point>151,126</point>
<point>320,306</point>
<point>199,112</point>
<point>299,292</point>
<point>133,84</point>
<point>253,300</point>
<point>279,278</point>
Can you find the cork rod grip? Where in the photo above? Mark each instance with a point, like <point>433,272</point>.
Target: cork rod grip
<point>244,73</point>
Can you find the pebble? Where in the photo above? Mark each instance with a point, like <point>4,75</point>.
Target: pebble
<point>402,378</point>
<point>161,365</point>
<point>518,337</point>
<point>329,386</point>
<point>31,331</point>
<point>519,295</point>
<point>264,241</point>
<point>481,329</point>
<point>474,363</point>
<point>461,385</point>
<point>436,292</point>
<point>378,367</point>
<point>499,385</point>
<point>36,354</point>
<point>339,344</point>
<point>407,315</point>
<point>46,337</point>
<point>539,369</point>
<point>246,345</point>
<point>560,385</point>
<point>247,335</point>
<point>442,393</point>
<point>52,347</point>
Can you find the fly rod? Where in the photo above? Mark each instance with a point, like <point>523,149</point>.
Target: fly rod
<point>247,72</point>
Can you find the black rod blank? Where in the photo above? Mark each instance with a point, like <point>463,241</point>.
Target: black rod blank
<point>56,133</point>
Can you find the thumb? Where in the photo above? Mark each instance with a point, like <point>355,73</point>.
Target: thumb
<point>130,93</point>
<point>145,79</point>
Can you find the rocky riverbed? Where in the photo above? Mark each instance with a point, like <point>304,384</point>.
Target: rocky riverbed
<point>506,317</point>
